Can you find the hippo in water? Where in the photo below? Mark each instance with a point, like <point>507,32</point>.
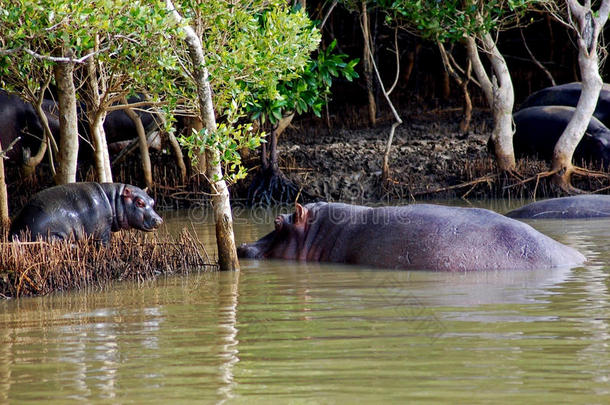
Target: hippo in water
<point>579,206</point>
<point>81,210</point>
<point>418,237</point>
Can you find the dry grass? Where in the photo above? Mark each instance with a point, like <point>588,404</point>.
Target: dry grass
<point>39,268</point>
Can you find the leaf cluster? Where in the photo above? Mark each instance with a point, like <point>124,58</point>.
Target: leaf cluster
<point>309,91</point>
<point>452,20</point>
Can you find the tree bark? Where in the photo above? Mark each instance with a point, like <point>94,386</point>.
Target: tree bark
<point>173,142</point>
<point>411,56</point>
<point>588,29</point>
<point>462,83</point>
<point>68,124</point>
<point>4,217</point>
<point>500,97</point>
<point>281,126</point>
<point>368,65</point>
<point>101,156</point>
<point>227,253</point>
<point>29,166</point>
<point>142,143</point>
<point>97,116</point>
<point>175,145</point>
<point>194,123</point>
<point>32,162</point>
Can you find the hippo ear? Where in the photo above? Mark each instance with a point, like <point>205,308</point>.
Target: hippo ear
<point>127,193</point>
<point>300,214</point>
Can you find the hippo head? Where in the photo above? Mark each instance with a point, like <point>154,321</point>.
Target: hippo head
<point>138,210</point>
<point>285,242</point>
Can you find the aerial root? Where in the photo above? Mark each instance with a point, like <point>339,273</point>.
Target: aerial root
<point>272,188</point>
<point>39,268</point>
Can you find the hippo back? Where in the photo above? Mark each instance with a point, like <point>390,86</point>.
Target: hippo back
<point>539,128</point>
<point>70,210</point>
<point>581,206</point>
<point>567,95</point>
<point>432,237</point>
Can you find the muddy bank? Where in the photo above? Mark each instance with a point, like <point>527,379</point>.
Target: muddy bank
<point>429,153</point>
<point>430,158</point>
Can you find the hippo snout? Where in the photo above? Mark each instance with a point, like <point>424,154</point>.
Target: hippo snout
<point>155,222</point>
<point>246,251</point>
<point>149,223</point>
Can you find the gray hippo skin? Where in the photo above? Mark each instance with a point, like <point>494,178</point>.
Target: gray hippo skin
<point>568,95</point>
<point>580,206</point>
<point>80,210</point>
<point>418,237</point>
<point>537,130</point>
<point>19,119</point>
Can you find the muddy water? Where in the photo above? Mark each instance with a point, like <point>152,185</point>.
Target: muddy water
<point>280,332</point>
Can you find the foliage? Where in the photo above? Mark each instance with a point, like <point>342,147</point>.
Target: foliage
<point>228,139</point>
<point>257,52</point>
<point>252,48</point>
<point>310,91</point>
<point>451,20</point>
<point>126,36</point>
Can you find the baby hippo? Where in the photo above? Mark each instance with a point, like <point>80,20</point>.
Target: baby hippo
<point>80,210</point>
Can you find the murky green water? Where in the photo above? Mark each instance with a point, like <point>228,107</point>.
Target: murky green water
<point>281,332</point>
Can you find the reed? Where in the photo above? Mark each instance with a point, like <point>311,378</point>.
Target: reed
<point>39,268</point>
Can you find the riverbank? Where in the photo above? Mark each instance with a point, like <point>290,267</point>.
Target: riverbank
<point>428,152</point>
<point>430,158</point>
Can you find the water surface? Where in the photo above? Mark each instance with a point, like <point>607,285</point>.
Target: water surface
<point>282,332</point>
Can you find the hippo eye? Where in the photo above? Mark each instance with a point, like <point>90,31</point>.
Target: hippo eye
<point>140,203</point>
<point>278,223</point>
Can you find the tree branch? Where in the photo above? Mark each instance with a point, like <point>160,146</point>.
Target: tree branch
<point>57,59</point>
<point>330,9</point>
<point>536,62</point>
<point>134,105</point>
<point>4,151</point>
<point>391,89</point>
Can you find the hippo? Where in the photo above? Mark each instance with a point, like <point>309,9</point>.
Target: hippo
<point>539,128</point>
<point>568,95</point>
<point>18,119</point>
<point>411,237</point>
<point>81,210</point>
<point>574,207</point>
<point>120,129</point>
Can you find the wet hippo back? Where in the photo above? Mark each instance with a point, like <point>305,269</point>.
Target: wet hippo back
<point>425,236</point>
<point>580,206</point>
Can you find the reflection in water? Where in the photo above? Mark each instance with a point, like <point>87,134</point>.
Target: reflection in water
<point>593,302</point>
<point>282,332</point>
<point>228,296</point>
